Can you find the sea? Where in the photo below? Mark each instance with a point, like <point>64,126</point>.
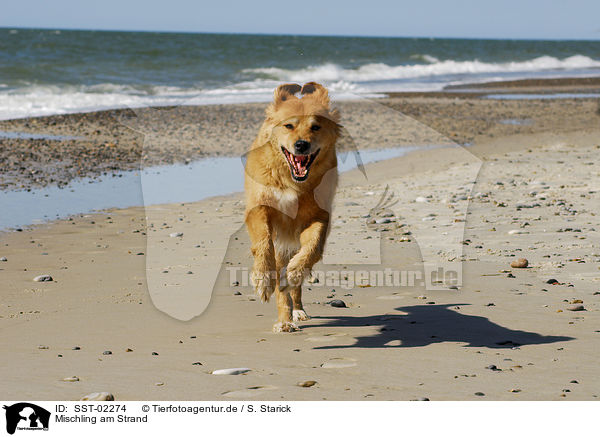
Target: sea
<point>45,72</point>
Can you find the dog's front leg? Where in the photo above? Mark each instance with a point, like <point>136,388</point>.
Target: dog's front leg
<point>284,311</point>
<point>263,272</point>
<point>312,243</point>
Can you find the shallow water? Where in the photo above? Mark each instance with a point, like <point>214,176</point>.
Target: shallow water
<point>175,183</point>
<point>516,121</point>
<point>29,136</point>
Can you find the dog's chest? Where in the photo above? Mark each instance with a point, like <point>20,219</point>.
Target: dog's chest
<point>285,201</point>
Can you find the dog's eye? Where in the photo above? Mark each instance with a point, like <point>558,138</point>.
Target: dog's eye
<point>315,128</point>
<point>289,126</point>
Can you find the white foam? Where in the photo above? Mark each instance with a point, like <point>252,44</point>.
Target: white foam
<point>377,72</point>
<point>367,80</point>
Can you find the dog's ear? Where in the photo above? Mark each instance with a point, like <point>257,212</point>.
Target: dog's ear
<point>311,87</point>
<point>317,92</point>
<point>282,93</point>
<point>285,91</point>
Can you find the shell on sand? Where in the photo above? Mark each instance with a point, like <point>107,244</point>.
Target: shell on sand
<point>338,363</point>
<point>233,371</point>
<point>98,396</point>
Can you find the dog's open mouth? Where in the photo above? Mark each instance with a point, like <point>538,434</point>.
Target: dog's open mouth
<point>299,164</point>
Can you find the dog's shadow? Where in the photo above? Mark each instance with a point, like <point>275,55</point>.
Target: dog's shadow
<point>423,325</point>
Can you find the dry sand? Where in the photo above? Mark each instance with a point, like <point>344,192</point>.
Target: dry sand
<point>532,195</point>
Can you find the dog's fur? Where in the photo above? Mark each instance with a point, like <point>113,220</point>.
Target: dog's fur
<point>287,217</point>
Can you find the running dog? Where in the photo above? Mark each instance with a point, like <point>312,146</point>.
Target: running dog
<point>290,181</point>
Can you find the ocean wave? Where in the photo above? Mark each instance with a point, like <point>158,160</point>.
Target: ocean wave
<point>380,71</point>
<point>369,80</point>
<point>38,100</point>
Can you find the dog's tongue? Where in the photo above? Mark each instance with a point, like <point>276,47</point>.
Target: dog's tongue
<point>299,162</point>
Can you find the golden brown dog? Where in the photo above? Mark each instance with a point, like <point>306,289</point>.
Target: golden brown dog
<point>291,175</point>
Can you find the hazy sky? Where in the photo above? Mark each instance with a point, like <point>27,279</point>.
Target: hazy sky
<point>538,19</point>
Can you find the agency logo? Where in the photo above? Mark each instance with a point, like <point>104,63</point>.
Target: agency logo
<point>26,416</point>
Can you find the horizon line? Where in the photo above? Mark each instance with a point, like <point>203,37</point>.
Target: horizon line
<point>75,29</point>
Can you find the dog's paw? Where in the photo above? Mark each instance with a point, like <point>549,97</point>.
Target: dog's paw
<point>295,275</point>
<point>300,315</point>
<point>285,327</point>
<point>263,285</point>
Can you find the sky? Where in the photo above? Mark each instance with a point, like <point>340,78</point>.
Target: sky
<point>505,19</point>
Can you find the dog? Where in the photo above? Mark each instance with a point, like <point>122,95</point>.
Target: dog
<point>290,181</point>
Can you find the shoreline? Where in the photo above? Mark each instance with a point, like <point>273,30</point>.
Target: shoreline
<point>131,139</point>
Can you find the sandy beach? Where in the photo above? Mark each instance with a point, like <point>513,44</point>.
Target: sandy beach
<point>509,179</point>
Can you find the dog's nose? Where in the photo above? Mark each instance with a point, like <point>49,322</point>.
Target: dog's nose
<point>301,146</point>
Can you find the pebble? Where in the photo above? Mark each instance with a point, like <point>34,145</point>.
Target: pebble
<point>3,259</point>
<point>307,383</point>
<point>98,396</point>
<point>43,347</point>
<point>338,303</point>
<point>423,399</point>
<point>517,232</point>
<point>43,278</point>
<point>107,353</point>
<point>382,221</point>
<point>552,281</point>
<point>576,307</point>
<point>234,371</point>
<point>176,234</point>
<point>71,379</point>
<point>75,348</point>
<point>521,263</point>
<point>421,199</point>
<point>478,393</point>
<point>492,367</point>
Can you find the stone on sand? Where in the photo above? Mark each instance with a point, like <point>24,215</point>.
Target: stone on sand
<point>521,263</point>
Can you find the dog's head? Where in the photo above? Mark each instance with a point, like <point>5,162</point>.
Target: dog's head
<point>303,130</point>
